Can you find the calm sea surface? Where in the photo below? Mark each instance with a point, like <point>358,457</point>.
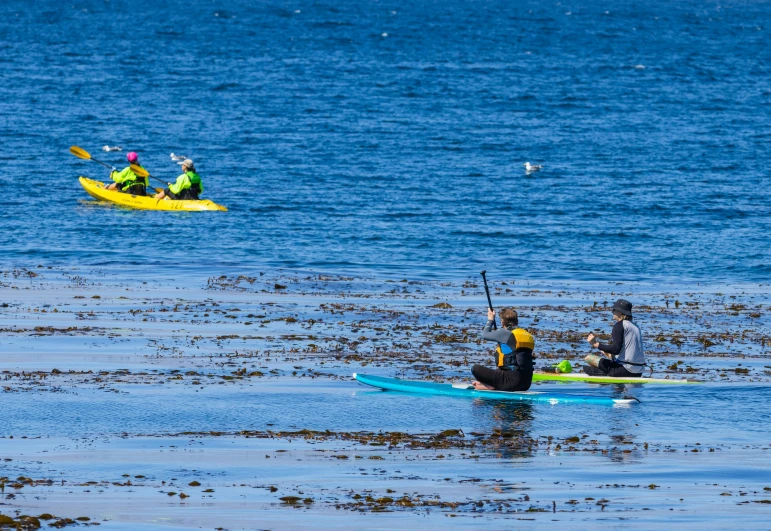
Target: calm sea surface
<point>389,137</point>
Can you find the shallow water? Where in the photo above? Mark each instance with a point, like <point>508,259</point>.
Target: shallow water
<point>247,389</point>
<point>705,414</point>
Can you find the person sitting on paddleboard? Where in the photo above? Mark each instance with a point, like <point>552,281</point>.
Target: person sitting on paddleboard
<point>188,185</point>
<point>625,349</point>
<point>513,356</point>
<point>126,180</point>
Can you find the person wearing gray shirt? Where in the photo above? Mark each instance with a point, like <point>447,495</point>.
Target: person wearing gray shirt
<point>625,350</point>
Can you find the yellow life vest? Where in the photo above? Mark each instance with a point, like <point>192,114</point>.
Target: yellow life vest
<point>506,357</point>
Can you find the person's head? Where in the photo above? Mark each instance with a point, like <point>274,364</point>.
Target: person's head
<point>622,309</point>
<point>132,157</point>
<point>187,165</point>
<point>509,318</point>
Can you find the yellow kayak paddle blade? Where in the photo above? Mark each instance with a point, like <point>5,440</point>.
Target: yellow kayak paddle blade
<point>80,152</point>
<point>139,171</point>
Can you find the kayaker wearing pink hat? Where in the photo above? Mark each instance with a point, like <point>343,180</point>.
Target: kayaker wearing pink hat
<point>126,180</point>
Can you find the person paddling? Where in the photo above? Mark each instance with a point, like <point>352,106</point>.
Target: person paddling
<point>126,180</point>
<point>188,185</point>
<point>513,356</point>
<point>625,353</point>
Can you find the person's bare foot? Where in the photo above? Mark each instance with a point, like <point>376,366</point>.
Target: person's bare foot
<point>479,386</point>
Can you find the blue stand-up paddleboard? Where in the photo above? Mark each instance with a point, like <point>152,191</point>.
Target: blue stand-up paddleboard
<point>463,390</point>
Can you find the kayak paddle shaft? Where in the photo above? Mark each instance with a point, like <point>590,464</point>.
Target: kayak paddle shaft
<point>141,172</point>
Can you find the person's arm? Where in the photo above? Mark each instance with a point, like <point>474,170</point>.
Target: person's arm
<point>616,340</point>
<point>500,336</point>
<point>176,188</point>
<point>121,176</point>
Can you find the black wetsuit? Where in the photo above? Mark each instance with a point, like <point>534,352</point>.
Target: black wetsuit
<point>612,368</point>
<point>518,378</point>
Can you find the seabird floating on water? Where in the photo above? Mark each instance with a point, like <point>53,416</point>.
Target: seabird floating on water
<point>177,157</point>
<point>111,148</point>
<point>532,168</point>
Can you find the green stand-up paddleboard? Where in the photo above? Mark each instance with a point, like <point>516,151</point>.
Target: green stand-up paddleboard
<point>464,390</point>
<point>561,377</point>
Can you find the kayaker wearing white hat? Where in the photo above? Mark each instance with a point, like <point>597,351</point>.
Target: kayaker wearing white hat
<point>188,185</point>
<point>625,350</point>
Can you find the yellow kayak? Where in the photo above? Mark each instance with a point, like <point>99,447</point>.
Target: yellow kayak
<point>97,190</point>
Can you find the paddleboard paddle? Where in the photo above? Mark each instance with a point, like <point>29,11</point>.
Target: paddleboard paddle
<point>489,302</point>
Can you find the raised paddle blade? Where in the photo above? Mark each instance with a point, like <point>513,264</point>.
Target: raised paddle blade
<point>80,152</point>
<point>139,171</point>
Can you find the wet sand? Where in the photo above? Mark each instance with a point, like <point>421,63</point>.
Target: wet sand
<point>120,396</point>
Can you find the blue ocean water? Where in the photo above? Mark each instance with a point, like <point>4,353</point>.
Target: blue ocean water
<point>389,137</point>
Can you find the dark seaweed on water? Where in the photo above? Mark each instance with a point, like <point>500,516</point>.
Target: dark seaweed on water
<point>261,367</point>
<point>164,369</point>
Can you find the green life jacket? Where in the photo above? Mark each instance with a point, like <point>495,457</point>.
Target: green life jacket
<point>130,182</point>
<point>195,182</point>
<point>187,181</point>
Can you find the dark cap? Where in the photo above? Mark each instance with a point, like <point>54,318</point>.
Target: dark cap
<point>623,306</point>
